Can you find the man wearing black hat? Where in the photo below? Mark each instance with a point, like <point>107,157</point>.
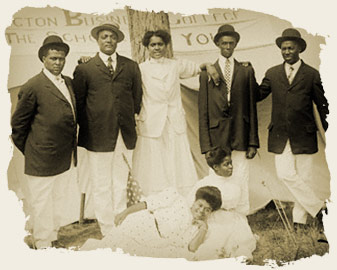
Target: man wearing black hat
<point>108,92</point>
<point>227,112</point>
<point>292,131</point>
<point>44,129</point>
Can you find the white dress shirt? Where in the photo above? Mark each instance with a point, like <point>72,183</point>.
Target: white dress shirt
<point>58,81</point>
<point>295,67</point>
<point>105,57</point>
<point>222,64</point>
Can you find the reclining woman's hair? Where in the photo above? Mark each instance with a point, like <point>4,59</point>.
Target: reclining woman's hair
<point>216,156</point>
<point>211,195</point>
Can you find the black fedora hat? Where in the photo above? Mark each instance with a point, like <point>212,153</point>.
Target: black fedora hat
<point>51,41</point>
<point>291,34</point>
<point>226,30</point>
<point>114,27</point>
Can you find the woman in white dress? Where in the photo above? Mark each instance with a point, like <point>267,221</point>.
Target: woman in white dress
<point>163,225</point>
<point>162,156</point>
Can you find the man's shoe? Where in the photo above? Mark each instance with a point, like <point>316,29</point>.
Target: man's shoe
<point>300,227</point>
<point>57,244</point>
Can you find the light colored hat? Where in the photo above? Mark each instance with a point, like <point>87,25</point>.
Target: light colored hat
<point>291,34</point>
<point>114,27</point>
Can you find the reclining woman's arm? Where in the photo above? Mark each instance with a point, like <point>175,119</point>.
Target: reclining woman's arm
<point>199,237</point>
<point>132,209</point>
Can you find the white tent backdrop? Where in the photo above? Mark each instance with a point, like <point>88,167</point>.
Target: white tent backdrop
<point>192,39</point>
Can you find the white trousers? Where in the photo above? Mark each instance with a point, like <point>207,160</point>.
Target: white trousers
<point>108,176</point>
<point>296,171</point>
<point>47,198</point>
<point>240,176</point>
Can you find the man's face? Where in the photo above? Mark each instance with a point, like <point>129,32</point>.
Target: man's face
<point>225,168</point>
<point>290,51</point>
<point>54,61</point>
<point>107,42</point>
<point>226,45</point>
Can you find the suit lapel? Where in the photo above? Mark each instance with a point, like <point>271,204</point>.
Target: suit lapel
<point>119,67</point>
<point>222,87</point>
<point>220,72</point>
<point>48,84</point>
<point>71,92</point>
<point>235,72</point>
<point>299,76</point>
<point>283,76</point>
<point>101,66</point>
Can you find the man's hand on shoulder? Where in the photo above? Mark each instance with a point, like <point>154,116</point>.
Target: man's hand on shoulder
<point>83,59</point>
<point>246,64</point>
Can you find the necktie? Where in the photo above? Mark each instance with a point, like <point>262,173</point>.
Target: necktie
<point>228,74</point>
<point>110,67</point>
<point>290,75</point>
<point>228,77</point>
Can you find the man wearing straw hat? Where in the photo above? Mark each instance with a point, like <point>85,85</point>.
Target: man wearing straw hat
<point>227,111</point>
<point>293,131</point>
<point>108,92</point>
<point>44,129</point>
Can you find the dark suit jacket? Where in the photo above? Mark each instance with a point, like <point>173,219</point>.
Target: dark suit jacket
<point>107,103</point>
<point>233,125</point>
<point>44,128</point>
<point>292,108</point>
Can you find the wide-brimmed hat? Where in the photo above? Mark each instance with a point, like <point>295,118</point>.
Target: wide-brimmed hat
<point>114,27</point>
<point>50,41</point>
<point>291,34</point>
<point>226,30</point>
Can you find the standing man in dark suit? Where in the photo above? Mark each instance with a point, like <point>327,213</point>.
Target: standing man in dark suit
<point>227,112</point>
<point>44,129</point>
<point>292,131</point>
<point>108,92</point>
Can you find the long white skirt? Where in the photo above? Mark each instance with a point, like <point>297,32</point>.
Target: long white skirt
<point>166,161</point>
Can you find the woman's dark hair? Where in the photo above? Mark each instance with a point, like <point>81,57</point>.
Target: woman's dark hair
<point>166,37</point>
<point>212,195</point>
<point>216,156</point>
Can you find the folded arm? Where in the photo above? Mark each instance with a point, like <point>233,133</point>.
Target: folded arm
<point>22,117</point>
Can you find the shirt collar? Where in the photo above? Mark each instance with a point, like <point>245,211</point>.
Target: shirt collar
<point>51,76</point>
<point>105,57</point>
<point>223,60</point>
<point>295,66</point>
<point>157,61</point>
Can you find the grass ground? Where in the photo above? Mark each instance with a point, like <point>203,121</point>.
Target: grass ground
<point>274,243</point>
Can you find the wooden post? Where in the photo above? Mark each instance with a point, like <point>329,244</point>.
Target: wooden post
<point>141,22</point>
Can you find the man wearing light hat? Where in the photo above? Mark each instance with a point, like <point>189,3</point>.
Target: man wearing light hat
<point>108,92</point>
<point>227,112</point>
<point>44,129</point>
<point>292,131</point>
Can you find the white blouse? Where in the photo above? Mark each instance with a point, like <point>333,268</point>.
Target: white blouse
<point>161,95</point>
